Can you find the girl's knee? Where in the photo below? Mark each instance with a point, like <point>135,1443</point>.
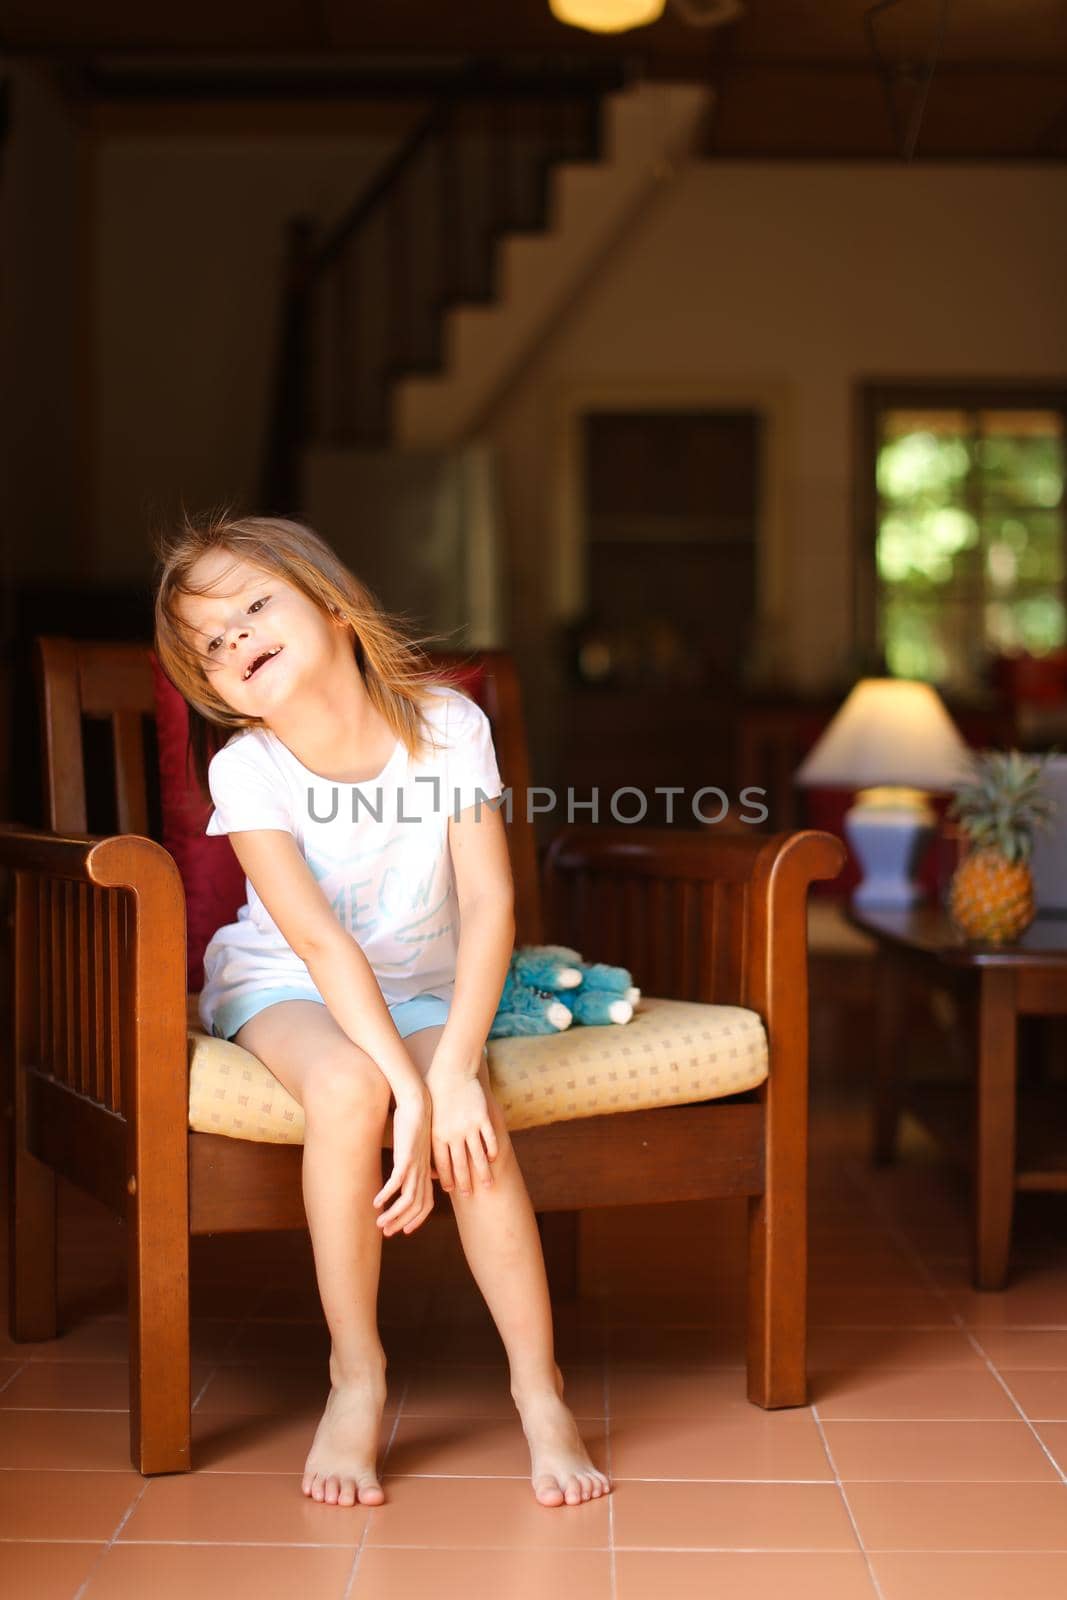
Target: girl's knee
<point>346,1089</point>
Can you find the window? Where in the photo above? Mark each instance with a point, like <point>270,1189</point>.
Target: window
<point>964,529</point>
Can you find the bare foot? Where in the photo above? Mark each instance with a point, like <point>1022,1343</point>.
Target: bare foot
<point>340,1468</point>
<point>560,1468</point>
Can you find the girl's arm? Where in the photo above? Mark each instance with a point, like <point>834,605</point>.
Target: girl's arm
<point>486,896</point>
<point>341,972</point>
<point>463,1136</point>
<point>343,976</point>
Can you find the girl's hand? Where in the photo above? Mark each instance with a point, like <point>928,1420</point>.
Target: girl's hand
<point>462,1133</point>
<point>411,1167</point>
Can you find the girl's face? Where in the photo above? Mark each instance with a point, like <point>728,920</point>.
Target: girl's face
<point>257,637</point>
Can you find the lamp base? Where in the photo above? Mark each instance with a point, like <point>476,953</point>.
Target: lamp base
<point>889,831</point>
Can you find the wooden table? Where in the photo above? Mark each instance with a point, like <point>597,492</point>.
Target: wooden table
<point>997,985</point>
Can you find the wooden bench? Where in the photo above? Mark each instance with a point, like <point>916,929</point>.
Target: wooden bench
<point>100,1052</point>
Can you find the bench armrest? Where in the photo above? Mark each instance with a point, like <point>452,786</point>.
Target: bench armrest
<point>100,977</point>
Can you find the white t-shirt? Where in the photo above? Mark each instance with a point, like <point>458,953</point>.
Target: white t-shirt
<point>387,874</point>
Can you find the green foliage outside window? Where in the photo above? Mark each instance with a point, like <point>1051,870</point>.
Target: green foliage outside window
<point>970,540</point>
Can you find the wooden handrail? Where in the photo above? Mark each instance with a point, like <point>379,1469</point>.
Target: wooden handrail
<point>405,337</point>
<point>376,191</point>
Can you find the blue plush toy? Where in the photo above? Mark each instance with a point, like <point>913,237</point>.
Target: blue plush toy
<point>549,984</point>
<point>548,966</point>
<point>524,1010</point>
<point>607,994</point>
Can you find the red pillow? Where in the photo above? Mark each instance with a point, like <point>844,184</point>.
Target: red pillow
<point>211,873</point>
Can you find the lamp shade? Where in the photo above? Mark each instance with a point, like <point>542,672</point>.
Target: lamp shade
<point>606,16</point>
<point>889,731</point>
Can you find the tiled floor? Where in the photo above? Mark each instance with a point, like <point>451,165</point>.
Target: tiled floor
<point>930,1464</point>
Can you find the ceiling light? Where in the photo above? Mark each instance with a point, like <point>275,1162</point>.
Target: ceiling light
<point>607,16</point>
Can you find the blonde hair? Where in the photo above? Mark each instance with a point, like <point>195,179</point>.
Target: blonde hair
<point>396,671</point>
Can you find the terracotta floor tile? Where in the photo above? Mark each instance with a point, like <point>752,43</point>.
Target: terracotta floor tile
<point>227,1300</point>
<point>8,1372</point>
<point>662,1279</point>
<point>89,1441</point>
<point>520,1574</point>
<point>259,1442</point>
<point>77,1505</point>
<point>277,1388</point>
<point>960,1516</point>
<point>731,1516</point>
<point>239,1508</point>
<point>1037,1301</point>
<point>452,1389</point>
<point>867,1350</point>
<point>930,1444</point>
<point>79,1385</point>
<point>68,1385</point>
<point>884,1272</point>
<point>642,1390</point>
<point>99,1298</point>
<point>50,1571</point>
<point>1041,1348</point>
<point>293,1301</point>
<point>831,1222</point>
<point>989,1576</point>
<point>478,1342</point>
<point>694,1347</point>
<point>476,1446</point>
<point>869,1249</point>
<point>218,1572</point>
<point>93,1338</point>
<point>895,1394</point>
<point>919,1452</point>
<point>687,1309</point>
<point>282,1341</point>
<point>456,1513</point>
<point>769,1444</point>
<point>1041,1394</point>
<point>107,1338</point>
<point>876,1308</point>
<point>728,1575</point>
<point>1053,1436</point>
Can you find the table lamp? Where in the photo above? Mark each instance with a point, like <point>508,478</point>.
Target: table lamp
<point>892,740</point>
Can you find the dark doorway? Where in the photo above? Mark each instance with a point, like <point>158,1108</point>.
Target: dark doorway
<point>672,507</point>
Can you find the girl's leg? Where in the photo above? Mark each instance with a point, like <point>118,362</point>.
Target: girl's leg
<point>498,1231</point>
<point>346,1101</point>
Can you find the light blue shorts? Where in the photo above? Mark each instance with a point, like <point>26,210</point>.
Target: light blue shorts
<point>424,1011</point>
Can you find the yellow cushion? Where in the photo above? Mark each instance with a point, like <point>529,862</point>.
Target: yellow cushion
<point>672,1052</point>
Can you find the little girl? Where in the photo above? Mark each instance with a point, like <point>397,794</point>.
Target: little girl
<point>365,969</point>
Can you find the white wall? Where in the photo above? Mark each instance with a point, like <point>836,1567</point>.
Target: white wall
<point>803,277</point>
<point>189,255</point>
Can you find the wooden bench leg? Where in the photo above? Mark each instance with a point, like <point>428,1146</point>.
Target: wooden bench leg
<point>777,1302</point>
<point>778,1235</point>
<point>160,1399</point>
<point>32,1256</point>
<point>561,1242</point>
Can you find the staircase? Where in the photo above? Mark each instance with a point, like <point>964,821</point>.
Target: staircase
<point>364,307</point>
<point>538,274</point>
<point>401,325</point>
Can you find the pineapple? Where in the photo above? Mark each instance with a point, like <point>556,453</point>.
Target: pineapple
<point>991,896</point>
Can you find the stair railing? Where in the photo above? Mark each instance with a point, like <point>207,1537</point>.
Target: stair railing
<point>363,306</point>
